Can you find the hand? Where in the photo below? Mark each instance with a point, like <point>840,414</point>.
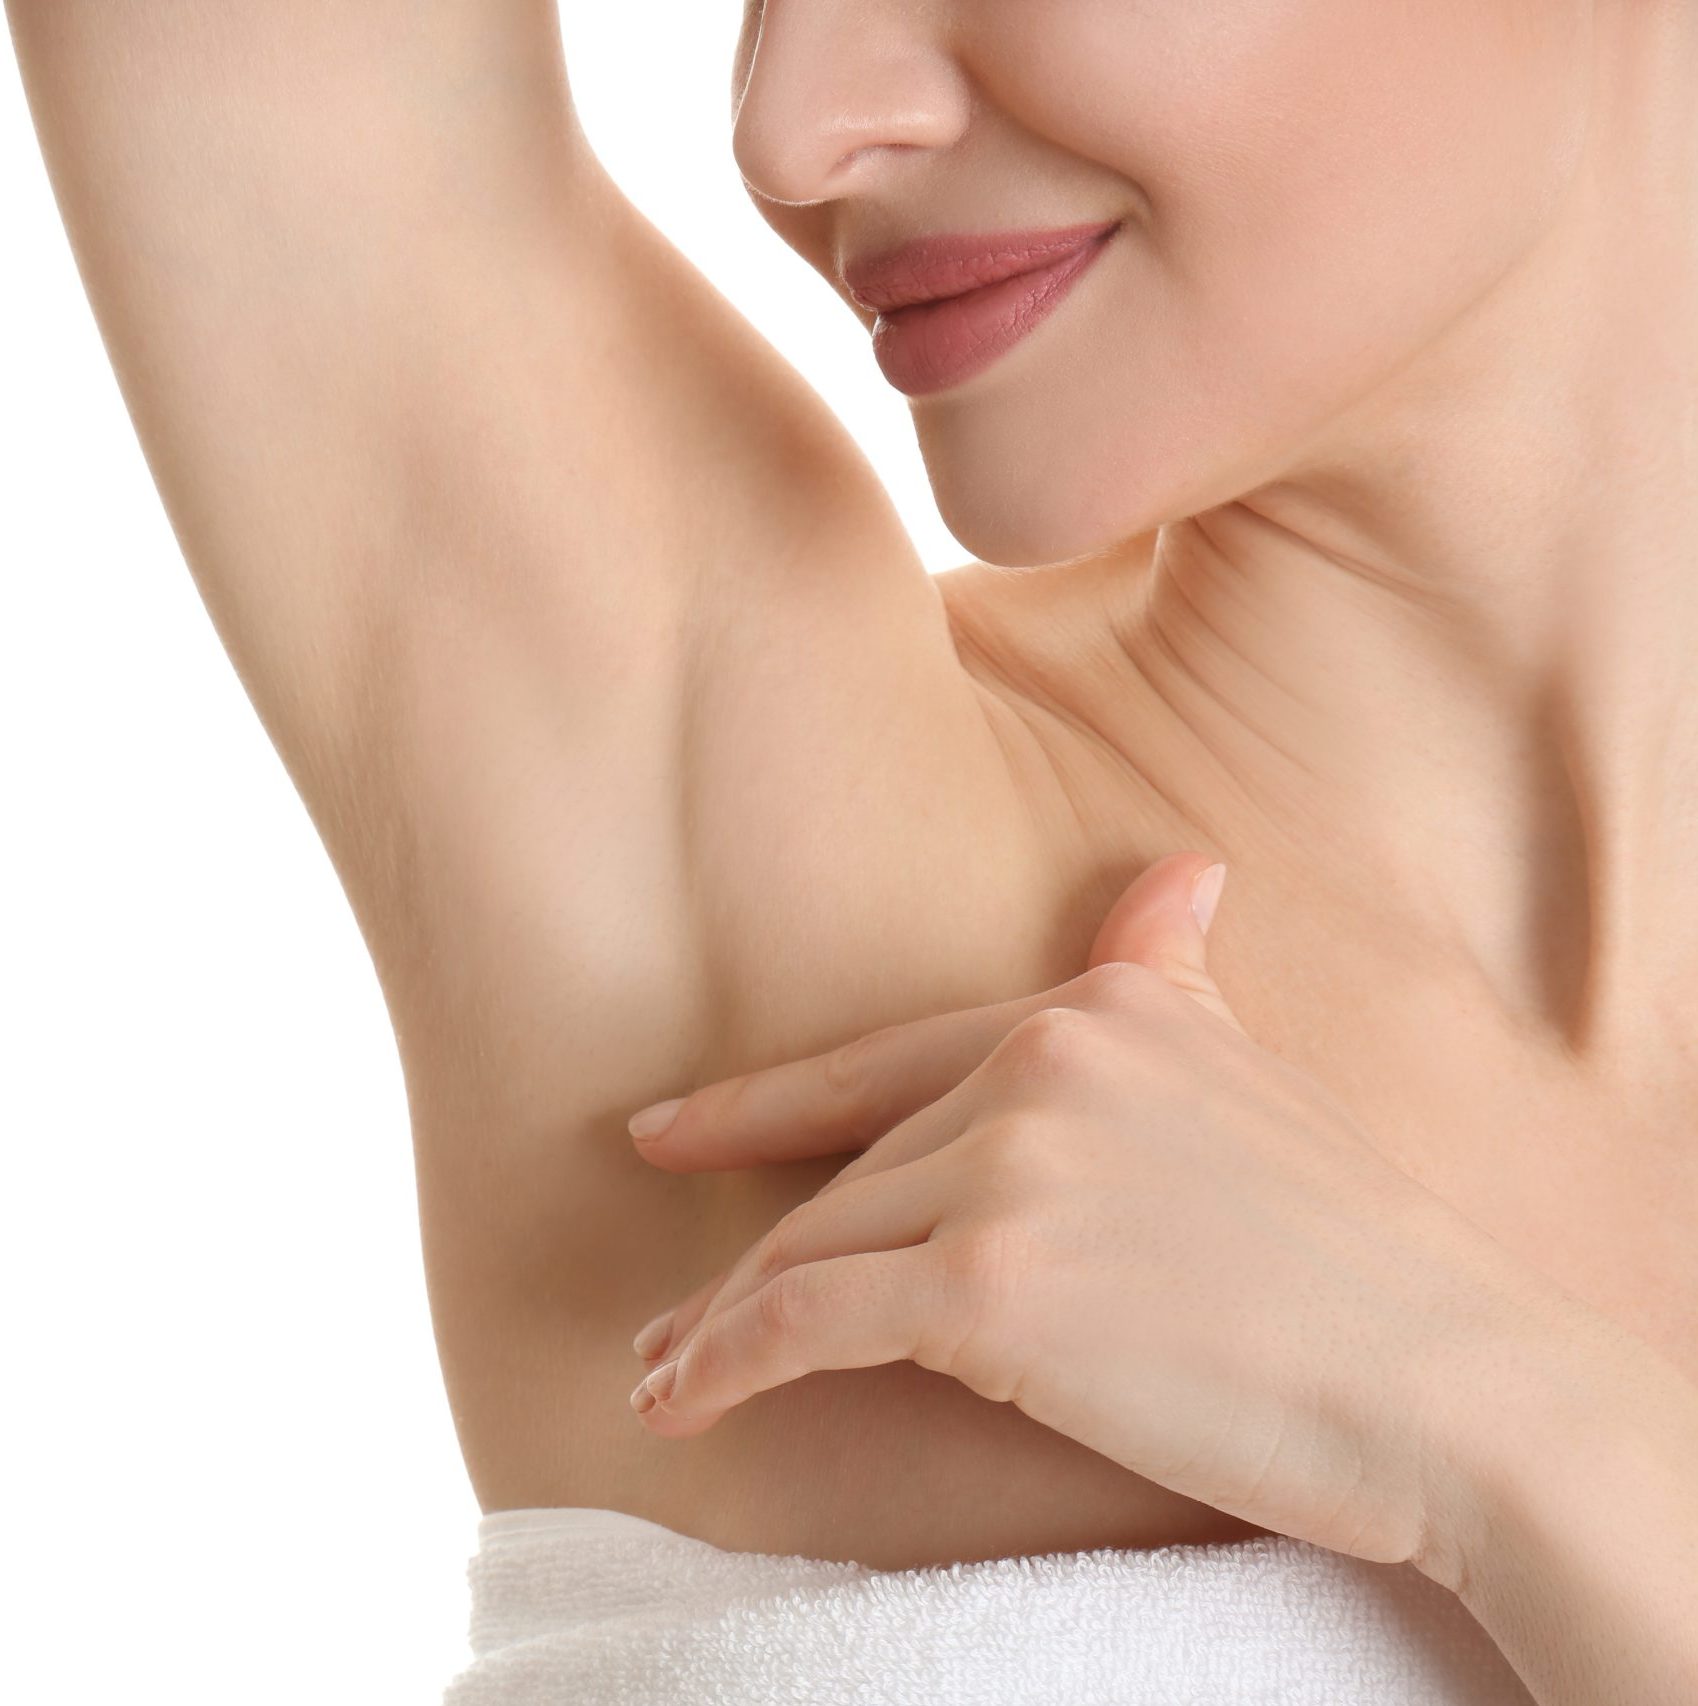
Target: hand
<point>1108,1206</point>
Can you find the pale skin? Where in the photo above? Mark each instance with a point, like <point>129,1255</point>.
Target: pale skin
<point>1340,528</point>
<point>1106,1206</point>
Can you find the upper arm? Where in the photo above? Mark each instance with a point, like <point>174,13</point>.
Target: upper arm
<point>489,493</point>
<point>317,237</point>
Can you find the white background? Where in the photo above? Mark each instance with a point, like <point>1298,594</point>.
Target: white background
<point>230,1472</point>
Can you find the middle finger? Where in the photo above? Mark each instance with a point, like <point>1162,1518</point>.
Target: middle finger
<point>919,1135</point>
<point>888,1210</point>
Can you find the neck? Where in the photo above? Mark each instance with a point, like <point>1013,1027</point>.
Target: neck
<point>1455,643</point>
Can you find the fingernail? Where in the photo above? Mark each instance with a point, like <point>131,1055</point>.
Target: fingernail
<point>651,1121</point>
<point>641,1398</point>
<point>652,1340</point>
<point>1205,896</point>
<point>664,1378</point>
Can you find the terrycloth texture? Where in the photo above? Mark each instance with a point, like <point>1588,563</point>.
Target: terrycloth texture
<point>586,1607</point>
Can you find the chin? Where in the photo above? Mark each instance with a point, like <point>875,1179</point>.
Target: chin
<point>1024,514</point>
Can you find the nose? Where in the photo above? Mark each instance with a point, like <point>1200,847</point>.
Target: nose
<point>835,90</point>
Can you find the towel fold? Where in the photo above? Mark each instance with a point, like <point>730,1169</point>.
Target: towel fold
<point>586,1607</point>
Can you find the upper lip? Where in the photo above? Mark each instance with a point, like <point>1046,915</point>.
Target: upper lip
<point>932,267</point>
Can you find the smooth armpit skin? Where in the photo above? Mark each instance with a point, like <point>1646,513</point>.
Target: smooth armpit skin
<point>633,725</point>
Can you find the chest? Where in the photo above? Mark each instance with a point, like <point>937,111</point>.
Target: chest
<point>1598,1194</point>
<point>1593,1184</point>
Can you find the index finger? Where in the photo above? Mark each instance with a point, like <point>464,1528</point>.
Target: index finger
<point>844,1099</point>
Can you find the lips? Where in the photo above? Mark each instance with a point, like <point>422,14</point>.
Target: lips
<point>949,307</point>
<point>933,268</point>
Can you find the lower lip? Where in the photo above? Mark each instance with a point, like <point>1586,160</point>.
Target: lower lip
<point>933,345</point>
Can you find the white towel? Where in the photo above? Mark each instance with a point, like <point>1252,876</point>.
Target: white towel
<point>587,1607</point>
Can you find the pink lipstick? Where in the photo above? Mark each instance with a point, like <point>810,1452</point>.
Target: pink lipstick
<point>949,306</point>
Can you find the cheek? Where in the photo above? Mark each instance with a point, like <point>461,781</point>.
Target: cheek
<point>1345,176</point>
<point>1316,188</point>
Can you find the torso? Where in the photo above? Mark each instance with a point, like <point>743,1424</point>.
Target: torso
<point>923,905</point>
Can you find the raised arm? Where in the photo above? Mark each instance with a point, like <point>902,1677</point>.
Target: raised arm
<point>464,455</point>
<point>320,237</point>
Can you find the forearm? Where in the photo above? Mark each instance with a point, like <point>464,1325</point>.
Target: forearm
<point>1578,1552</point>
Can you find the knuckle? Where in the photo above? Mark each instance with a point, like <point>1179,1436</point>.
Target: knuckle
<point>846,1067</point>
<point>703,1359</point>
<point>983,1256</point>
<point>780,1306</point>
<point>985,1278</point>
<point>1054,1042</point>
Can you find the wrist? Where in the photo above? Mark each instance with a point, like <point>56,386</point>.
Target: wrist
<point>1569,1526</point>
<point>1568,1423</point>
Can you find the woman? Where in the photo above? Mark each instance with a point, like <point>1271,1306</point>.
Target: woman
<point>1332,494</point>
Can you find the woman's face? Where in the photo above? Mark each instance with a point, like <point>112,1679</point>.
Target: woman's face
<point>1311,190</point>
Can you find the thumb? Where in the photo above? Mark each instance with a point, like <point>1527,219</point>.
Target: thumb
<point>1153,924</point>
